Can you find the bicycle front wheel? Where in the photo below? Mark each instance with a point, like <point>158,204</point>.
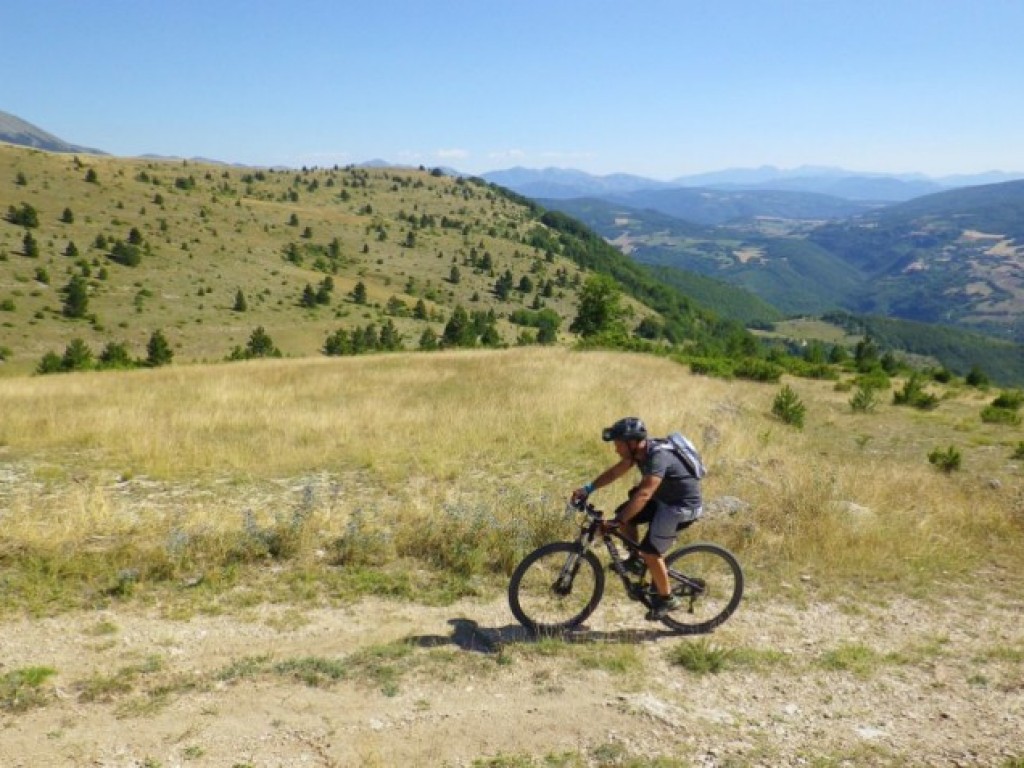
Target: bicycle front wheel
<point>556,587</point>
<point>709,581</point>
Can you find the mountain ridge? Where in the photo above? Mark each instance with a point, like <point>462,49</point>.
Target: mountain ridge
<point>14,130</point>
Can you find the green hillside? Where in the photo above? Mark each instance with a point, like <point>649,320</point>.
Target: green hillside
<point>205,254</point>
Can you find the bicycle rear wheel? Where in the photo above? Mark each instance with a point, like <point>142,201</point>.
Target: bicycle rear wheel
<point>709,581</point>
<point>556,588</point>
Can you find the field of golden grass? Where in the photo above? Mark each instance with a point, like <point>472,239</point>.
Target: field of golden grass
<point>457,463</point>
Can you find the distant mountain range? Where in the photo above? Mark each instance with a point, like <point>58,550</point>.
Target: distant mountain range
<point>563,184</point>
<point>953,258</point>
<point>14,130</point>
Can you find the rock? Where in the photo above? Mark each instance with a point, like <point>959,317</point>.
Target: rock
<point>726,505</point>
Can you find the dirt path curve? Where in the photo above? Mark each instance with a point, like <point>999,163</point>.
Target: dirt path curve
<point>381,683</point>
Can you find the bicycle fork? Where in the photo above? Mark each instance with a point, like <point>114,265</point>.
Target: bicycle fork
<point>566,576</point>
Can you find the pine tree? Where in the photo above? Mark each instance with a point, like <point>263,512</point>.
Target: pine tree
<point>76,297</point>
<point>158,351</point>
<point>359,293</point>
<point>29,246</point>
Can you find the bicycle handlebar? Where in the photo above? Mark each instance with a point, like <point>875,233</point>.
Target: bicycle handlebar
<point>582,505</point>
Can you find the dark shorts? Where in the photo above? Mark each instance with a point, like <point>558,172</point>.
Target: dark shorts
<point>663,525</point>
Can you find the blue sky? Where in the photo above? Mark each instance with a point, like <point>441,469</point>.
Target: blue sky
<point>658,88</point>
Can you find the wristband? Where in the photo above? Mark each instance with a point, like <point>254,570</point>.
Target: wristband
<point>589,488</point>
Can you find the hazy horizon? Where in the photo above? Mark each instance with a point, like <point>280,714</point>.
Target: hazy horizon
<point>661,89</point>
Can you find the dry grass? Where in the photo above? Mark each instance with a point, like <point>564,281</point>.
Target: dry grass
<point>459,461</point>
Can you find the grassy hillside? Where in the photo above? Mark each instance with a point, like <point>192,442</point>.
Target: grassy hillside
<point>205,233</point>
<point>464,459</point>
<point>305,562</point>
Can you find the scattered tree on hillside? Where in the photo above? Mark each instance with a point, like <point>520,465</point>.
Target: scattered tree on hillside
<point>115,355</point>
<point>77,356</point>
<point>126,254</point>
<point>428,340</point>
<point>599,308</point>
<point>308,299</point>
<point>359,293</point>
<point>458,331</point>
<point>240,303</point>
<point>76,297</point>
<point>29,246</point>
<point>260,345</point>
<point>25,216</point>
<point>158,350</point>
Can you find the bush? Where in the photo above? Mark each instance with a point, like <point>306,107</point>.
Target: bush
<point>913,394</point>
<point>1018,452</point>
<point>948,461</point>
<point>990,414</point>
<point>758,370</point>
<point>26,216</point>
<point>1011,400</point>
<point>976,378</point>
<point>719,367</point>
<point>788,407</point>
<point>876,379</point>
<point>864,400</point>
<point>260,345</point>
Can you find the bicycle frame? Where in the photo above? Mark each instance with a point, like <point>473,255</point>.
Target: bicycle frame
<point>635,590</point>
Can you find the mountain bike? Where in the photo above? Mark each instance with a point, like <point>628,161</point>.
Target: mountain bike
<point>559,585</point>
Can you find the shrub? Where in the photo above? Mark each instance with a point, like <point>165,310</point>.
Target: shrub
<point>1011,400</point>
<point>788,407</point>
<point>719,367</point>
<point>976,377</point>
<point>260,345</point>
<point>50,363</point>
<point>876,379</point>
<point>990,414</point>
<point>115,355</point>
<point>864,400</point>
<point>948,461</point>
<point>1018,452</point>
<point>77,356</point>
<point>758,370</point>
<point>26,216</point>
<point>913,394</point>
<point>126,253</point>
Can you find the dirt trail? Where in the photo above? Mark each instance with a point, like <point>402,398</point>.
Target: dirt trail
<point>905,683</point>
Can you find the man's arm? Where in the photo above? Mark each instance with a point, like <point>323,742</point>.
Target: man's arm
<point>607,477</point>
<point>613,473</point>
<point>644,493</point>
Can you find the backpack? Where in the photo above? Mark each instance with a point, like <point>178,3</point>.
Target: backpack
<point>687,453</point>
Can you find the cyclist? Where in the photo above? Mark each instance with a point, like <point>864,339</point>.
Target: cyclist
<point>667,499</point>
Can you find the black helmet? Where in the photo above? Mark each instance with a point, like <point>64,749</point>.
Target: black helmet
<point>629,428</point>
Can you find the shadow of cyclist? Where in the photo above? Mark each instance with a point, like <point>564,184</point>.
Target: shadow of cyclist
<point>470,636</point>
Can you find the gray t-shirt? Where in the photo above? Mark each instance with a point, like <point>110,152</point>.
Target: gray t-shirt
<point>678,487</point>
